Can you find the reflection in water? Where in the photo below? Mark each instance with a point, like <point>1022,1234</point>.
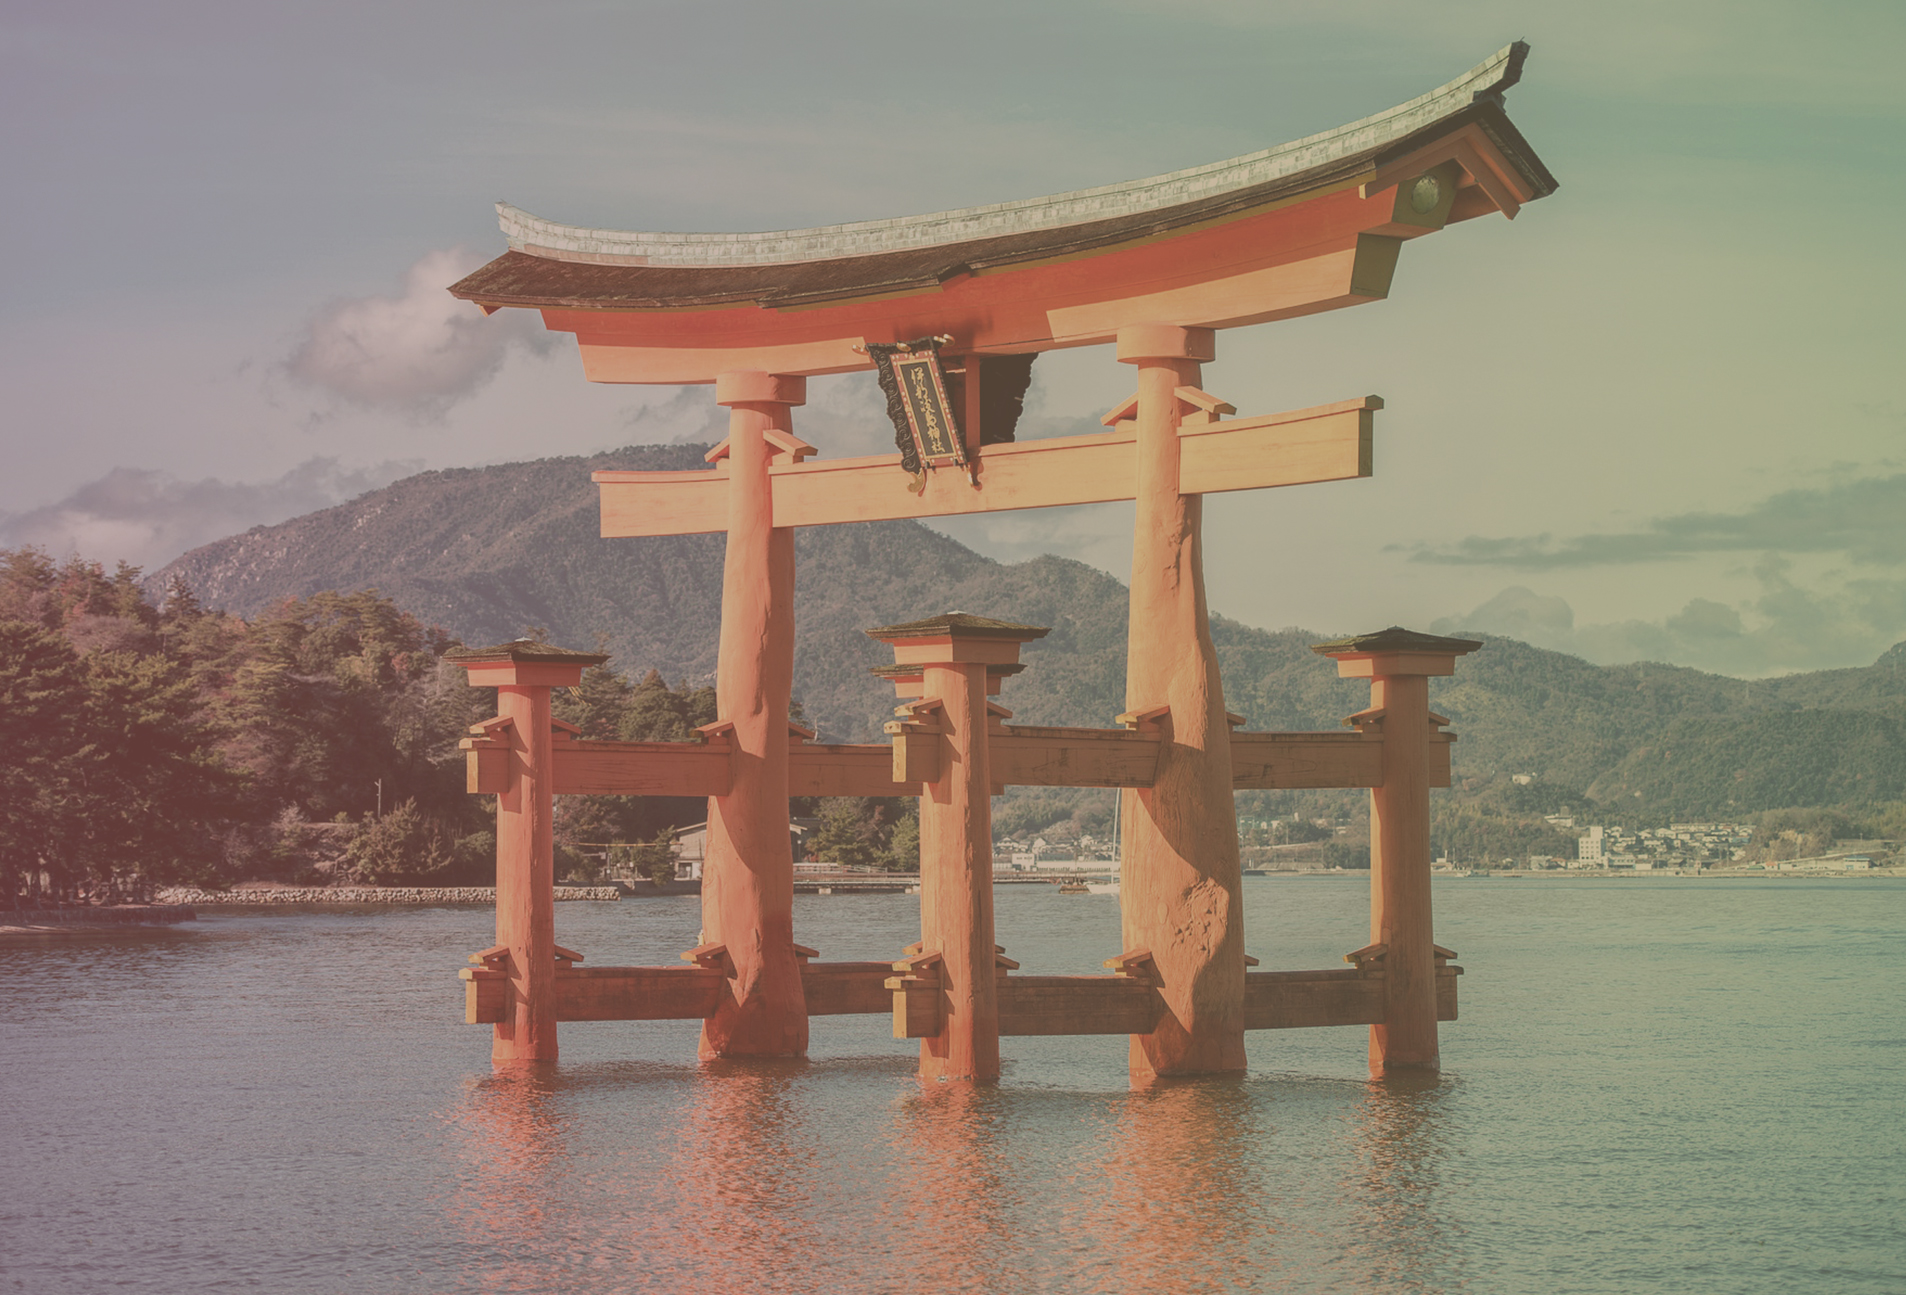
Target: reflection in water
<point>1180,1185</point>
<point>954,1204</point>
<point>1401,1242</point>
<point>514,1157</point>
<point>761,1175</point>
<point>746,1172</point>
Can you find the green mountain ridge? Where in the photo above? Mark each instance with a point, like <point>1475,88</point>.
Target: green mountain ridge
<point>488,552</point>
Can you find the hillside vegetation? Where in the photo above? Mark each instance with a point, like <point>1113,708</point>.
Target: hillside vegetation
<point>485,553</point>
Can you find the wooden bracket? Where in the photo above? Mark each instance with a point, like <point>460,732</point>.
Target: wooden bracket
<point>1004,963</point>
<point>793,448</point>
<point>497,957</point>
<point>1135,964</point>
<point>1148,717</point>
<point>712,956</point>
<point>1368,958</point>
<point>799,734</point>
<point>1442,954</point>
<point>1249,961</point>
<point>1205,407</point>
<point>920,966</point>
<point>720,728</point>
<point>802,952</point>
<point>1129,409</point>
<point>1366,721</point>
<point>916,741</point>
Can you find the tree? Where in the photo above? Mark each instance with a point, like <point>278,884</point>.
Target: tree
<point>404,846</point>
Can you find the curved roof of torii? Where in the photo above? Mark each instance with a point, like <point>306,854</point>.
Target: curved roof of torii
<point>895,271</point>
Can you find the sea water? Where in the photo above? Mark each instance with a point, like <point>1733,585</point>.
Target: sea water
<point>1656,1085</point>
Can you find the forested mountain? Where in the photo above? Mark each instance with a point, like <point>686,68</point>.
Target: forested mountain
<point>487,553</point>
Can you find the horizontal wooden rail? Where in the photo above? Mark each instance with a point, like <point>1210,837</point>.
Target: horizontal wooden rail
<point>1273,1000</point>
<point>1021,757</point>
<point>674,993</point>
<point>1028,1005</point>
<point>1324,443</point>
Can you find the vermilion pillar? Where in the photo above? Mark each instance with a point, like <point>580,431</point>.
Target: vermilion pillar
<point>1398,663</point>
<point>959,660</point>
<point>1181,889</point>
<point>523,674</point>
<point>748,873</point>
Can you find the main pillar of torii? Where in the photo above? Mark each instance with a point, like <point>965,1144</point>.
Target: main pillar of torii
<point>748,871</point>
<point>1180,892</point>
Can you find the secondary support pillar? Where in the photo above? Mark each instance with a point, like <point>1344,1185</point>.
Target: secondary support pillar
<point>748,872</point>
<point>1181,889</point>
<point>954,661</point>
<point>1398,663</point>
<point>523,674</point>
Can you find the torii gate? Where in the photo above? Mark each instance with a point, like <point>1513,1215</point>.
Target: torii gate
<point>1155,266</point>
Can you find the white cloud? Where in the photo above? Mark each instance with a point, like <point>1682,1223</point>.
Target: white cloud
<point>1784,628</point>
<point>148,518</point>
<point>417,353</point>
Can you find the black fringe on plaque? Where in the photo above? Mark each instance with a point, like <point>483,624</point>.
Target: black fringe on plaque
<point>880,353</point>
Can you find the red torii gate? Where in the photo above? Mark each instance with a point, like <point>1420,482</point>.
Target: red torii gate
<point>1156,266</point>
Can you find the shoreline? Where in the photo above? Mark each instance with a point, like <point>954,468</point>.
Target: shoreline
<point>92,921</point>
<point>357,895</point>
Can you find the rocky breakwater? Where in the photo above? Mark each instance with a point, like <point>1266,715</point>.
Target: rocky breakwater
<point>369,895</point>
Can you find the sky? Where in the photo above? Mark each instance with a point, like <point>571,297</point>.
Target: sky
<point>1656,417</point>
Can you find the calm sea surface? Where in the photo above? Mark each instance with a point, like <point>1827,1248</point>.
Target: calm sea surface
<point>1656,1086</point>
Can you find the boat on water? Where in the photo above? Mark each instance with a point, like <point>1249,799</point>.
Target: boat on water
<point>1102,887</point>
<point>1072,888</point>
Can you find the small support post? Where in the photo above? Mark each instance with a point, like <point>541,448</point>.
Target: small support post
<point>1181,893</point>
<point>1398,664</point>
<point>956,660</point>
<point>748,872</point>
<point>523,674</point>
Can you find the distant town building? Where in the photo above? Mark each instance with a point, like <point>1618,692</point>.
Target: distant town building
<point>1680,845</point>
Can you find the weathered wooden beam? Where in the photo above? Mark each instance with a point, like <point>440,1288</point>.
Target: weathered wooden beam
<point>863,769</point>
<point>644,768</point>
<point>847,988</point>
<point>1073,757</point>
<point>1028,1005</point>
<point>1323,443</point>
<point>1021,756</point>
<point>486,995</point>
<point>1286,1000</point>
<point>1279,760</point>
<point>1032,1005</point>
<point>637,993</point>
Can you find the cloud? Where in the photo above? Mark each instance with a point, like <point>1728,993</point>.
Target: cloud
<point>148,518</point>
<point>1864,519</point>
<point>1783,628</point>
<point>417,353</point>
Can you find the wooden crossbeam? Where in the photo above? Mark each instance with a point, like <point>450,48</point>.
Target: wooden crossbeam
<point>1273,1000</point>
<point>675,993</point>
<point>1028,1005</point>
<point>1021,756</point>
<point>1300,447</point>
